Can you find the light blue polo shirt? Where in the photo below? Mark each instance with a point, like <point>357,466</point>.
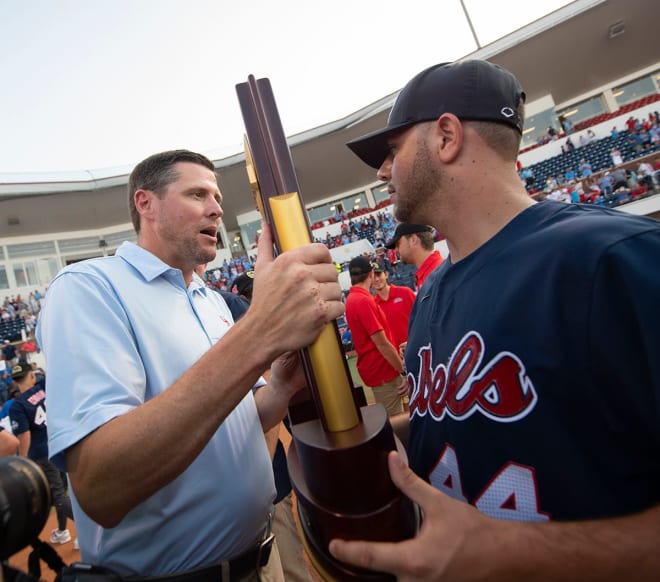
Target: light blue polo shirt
<point>116,332</point>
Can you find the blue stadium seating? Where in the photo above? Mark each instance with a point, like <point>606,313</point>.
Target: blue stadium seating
<point>11,330</point>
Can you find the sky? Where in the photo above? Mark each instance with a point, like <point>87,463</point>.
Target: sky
<point>91,84</point>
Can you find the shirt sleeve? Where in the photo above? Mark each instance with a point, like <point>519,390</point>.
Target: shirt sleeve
<point>94,368</point>
<point>372,318</point>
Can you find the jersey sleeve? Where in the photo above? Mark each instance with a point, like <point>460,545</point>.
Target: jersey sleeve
<point>19,420</point>
<point>624,335</point>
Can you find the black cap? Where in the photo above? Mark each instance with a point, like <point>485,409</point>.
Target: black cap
<point>471,90</point>
<point>244,283</point>
<point>20,370</point>
<point>404,228</point>
<point>360,266</point>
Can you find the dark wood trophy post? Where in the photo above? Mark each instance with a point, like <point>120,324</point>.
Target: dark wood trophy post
<point>338,456</point>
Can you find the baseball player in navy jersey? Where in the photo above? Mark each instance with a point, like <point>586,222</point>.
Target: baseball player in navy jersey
<point>532,358</point>
<point>28,421</point>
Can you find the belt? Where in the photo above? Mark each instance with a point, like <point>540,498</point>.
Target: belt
<point>234,569</point>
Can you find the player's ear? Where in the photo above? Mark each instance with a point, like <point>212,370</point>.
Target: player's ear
<point>448,134</point>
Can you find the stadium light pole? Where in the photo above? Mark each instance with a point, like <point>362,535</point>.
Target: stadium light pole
<point>467,16</point>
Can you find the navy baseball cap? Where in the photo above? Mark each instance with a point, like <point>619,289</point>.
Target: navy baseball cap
<point>472,90</point>
<point>405,228</point>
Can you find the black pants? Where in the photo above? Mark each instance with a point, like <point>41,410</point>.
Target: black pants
<point>60,498</point>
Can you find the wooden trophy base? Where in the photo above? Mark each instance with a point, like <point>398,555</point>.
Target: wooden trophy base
<point>344,490</point>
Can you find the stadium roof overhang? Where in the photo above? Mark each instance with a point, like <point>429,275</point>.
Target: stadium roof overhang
<point>569,53</point>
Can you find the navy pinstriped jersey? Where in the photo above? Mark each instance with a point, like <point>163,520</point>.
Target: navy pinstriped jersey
<point>534,368</point>
<point>28,413</point>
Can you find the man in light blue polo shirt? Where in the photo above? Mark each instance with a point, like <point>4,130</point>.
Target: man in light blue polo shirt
<point>150,408</point>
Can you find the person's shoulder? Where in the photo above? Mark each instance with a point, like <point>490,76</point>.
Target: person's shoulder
<point>590,228</point>
<point>101,267</point>
<point>403,290</point>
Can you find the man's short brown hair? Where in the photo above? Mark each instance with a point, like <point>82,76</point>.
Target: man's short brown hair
<point>425,239</point>
<point>157,172</point>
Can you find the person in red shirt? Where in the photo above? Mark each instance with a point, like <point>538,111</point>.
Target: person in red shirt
<point>378,362</point>
<point>414,244</point>
<point>396,302</point>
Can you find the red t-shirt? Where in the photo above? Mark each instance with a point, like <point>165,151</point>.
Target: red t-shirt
<point>365,318</point>
<point>397,310</point>
<point>425,269</point>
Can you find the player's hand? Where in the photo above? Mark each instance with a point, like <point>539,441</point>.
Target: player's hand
<point>402,349</point>
<point>446,547</point>
<point>402,390</point>
<point>295,295</point>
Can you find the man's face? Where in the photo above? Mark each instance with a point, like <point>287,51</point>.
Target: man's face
<point>380,280</point>
<point>187,217</point>
<point>411,174</point>
<point>404,249</point>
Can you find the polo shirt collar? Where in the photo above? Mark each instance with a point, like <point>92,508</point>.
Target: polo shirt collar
<point>358,289</point>
<point>151,267</point>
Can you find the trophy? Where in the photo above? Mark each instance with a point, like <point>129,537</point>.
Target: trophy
<point>338,455</point>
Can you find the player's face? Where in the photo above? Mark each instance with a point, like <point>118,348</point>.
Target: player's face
<point>404,250</point>
<point>380,281</point>
<point>411,174</point>
<point>187,218</point>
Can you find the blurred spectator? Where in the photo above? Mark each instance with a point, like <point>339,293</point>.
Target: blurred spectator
<point>585,169</point>
<point>645,175</point>
<point>414,244</point>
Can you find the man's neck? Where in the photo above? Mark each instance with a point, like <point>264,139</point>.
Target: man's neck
<point>384,293</point>
<point>421,257</point>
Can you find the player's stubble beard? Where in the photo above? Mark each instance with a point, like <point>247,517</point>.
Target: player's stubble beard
<point>415,191</point>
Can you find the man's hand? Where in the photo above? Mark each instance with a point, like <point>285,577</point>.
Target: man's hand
<point>295,295</point>
<point>287,375</point>
<point>446,542</point>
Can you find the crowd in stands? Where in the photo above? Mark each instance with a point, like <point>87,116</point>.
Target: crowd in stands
<point>609,171</point>
<point>341,216</point>
<point>223,277</point>
<point>17,313</point>
<point>567,127</point>
<point>376,229</point>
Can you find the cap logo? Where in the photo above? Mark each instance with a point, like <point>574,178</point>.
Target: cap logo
<point>507,112</point>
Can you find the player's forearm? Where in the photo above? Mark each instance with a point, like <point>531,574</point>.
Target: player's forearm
<point>387,350</point>
<point>599,550</point>
<point>121,464</point>
<point>390,354</point>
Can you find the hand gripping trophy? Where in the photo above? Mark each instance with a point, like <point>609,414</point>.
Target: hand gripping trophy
<point>338,456</point>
